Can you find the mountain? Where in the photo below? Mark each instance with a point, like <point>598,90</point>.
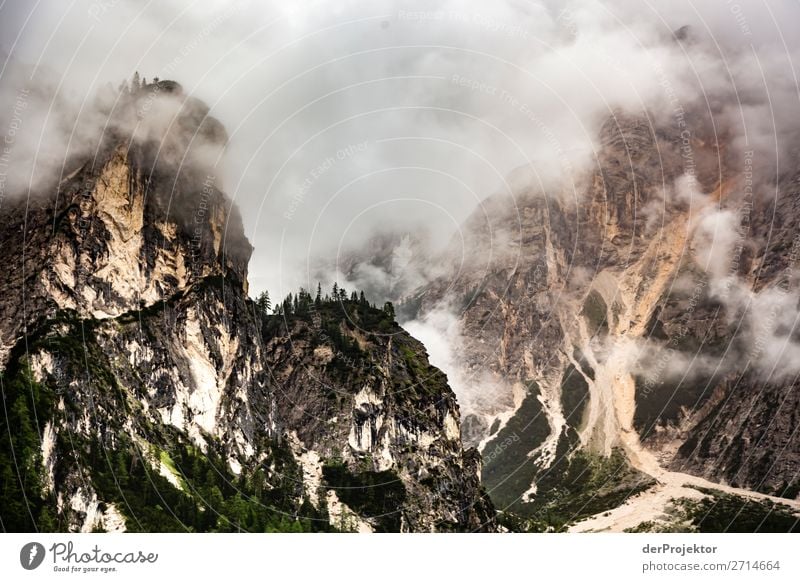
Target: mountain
<point>621,346</point>
<point>628,352</point>
<point>144,390</point>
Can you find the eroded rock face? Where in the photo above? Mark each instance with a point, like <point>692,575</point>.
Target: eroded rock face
<point>388,411</point>
<point>128,228</point>
<point>201,371</point>
<point>738,425</point>
<point>522,315</point>
<point>161,385</point>
<point>602,318</point>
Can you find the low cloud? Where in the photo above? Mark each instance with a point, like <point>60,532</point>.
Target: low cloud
<point>364,136</point>
<point>450,98</point>
<point>478,391</point>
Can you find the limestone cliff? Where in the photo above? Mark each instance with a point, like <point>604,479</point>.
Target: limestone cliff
<point>598,358</point>
<point>147,392</point>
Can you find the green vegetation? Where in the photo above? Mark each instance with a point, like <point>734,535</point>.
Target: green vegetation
<point>583,363</point>
<point>788,491</point>
<point>166,461</point>
<point>198,491</point>
<point>575,486</point>
<point>27,406</point>
<point>331,315</point>
<point>507,470</point>
<point>209,497</point>
<point>302,305</point>
<point>663,399</point>
<point>722,512</point>
<point>378,495</point>
<point>425,379</point>
<point>596,313</point>
<point>124,471</point>
<point>574,396</point>
<point>338,320</point>
<point>263,303</point>
<point>583,485</point>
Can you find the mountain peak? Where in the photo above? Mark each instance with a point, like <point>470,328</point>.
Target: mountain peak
<point>133,224</point>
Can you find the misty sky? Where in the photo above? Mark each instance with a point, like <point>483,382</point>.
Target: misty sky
<point>348,119</point>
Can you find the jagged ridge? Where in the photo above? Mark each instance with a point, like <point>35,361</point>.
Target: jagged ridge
<point>162,398</point>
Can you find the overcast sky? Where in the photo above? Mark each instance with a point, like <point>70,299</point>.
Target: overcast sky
<point>354,118</point>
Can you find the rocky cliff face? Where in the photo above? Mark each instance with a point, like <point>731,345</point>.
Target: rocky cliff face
<point>137,222</point>
<point>372,403</point>
<point>738,422</point>
<point>148,393</point>
<point>600,355</point>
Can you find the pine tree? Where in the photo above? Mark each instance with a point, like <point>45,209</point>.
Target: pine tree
<point>263,303</point>
<point>135,84</point>
<point>47,522</point>
<point>318,299</point>
<point>388,309</point>
<point>288,304</point>
<point>362,299</point>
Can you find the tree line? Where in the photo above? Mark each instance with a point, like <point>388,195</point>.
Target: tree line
<point>303,303</point>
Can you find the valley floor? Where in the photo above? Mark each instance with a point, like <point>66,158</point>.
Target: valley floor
<point>654,504</point>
